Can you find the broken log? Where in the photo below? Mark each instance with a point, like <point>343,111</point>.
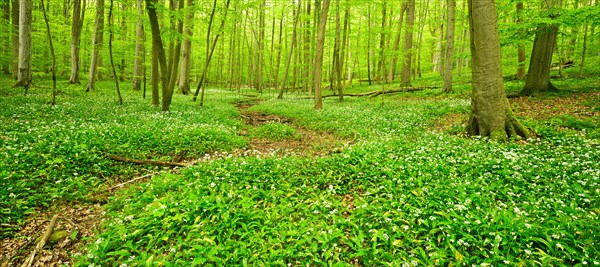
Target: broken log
<point>29,261</point>
<point>147,161</point>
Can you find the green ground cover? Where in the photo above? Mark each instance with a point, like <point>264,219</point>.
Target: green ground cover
<point>400,196</point>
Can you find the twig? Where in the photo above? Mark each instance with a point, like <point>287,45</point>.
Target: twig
<point>151,162</point>
<point>41,244</point>
<point>133,180</point>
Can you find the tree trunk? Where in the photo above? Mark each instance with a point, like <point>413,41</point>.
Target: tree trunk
<point>186,51</point>
<point>491,115</point>
<point>159,50</point>
<point>110,51</point>
<point>6,45</point>
<point>337,67</point>
<point>538,76</point>
<point>140,48</point>
<point>307,50</point>
<point>175,57</point>
<point>584,50</point>
<point>260,54</point>
<point>392,70</point>
<point>449,47</point>
<point>319,55</point>
<point>521,47</point>
<point>155,76</point>
<point>15,37</point>
<point>408,40</point>
<point>52,53</point>
<point>98,37</point>
<point>381,71</point>
<point>289,58</point>
<point>209,54</point>
<point>25,19</point>
<point>78,16</point>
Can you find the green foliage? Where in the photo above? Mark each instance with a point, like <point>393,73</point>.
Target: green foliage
<point>273,131</point>
<point>398,197</point>
<point>52,153</point>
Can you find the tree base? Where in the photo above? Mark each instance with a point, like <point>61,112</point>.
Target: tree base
<point>512,129</point>
<point>534,90</point>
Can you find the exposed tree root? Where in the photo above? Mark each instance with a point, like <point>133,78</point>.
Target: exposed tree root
<point>512,128</point>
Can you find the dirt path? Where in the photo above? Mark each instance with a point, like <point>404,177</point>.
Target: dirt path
<point>77,223</point>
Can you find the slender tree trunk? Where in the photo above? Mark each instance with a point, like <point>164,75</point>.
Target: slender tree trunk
<point>289,58</point>
<point>491,115</point>
<point>209,56</point>
<point>307,50</point>
<point>110,51</point>
<point>408,40</point>
<point>140,48</point>
<point>521,47</point>
<point>98,37</point>
<point>6,44</point>
<point>279,49</point>
<point>15,37</point>
<point>382,65</point>
<point>78,16</point>
<point>369,52</point>
<point>25,19</point>
<point>319,55</point>
<point>52,53</point>
<point>584,51</point>
<point>186,56</point>
<point>396,49</point>
<point>159,50</point>
<point>260,56</point>
<point>155,77</point>
<point>449,47</point>
<point>176,52</point>
<point>336,66</point>
<point>343,58</point>
<point>538,76</point>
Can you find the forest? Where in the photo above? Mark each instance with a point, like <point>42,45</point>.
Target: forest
<point>299,133</point>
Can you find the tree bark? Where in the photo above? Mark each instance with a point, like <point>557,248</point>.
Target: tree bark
<point>15,37</point>
<point>140,48</point>
<point>176,53</point>
<point>289,59</point>
<point>449,47</point>
<point>491,115</point>
<point>6,43</point>
<point>408,42</point>
<point>319,55</point>
<point>25,19</point>
<point>78,17</point>
<point>159,50</point>
<point>520,46</point>
<point>186,50</point>
<point>52,53</point>
<point>538,76</point>
<point>98,37</point>
<point>396,49</point>
<point>110,51</point>
<point>381,71</point>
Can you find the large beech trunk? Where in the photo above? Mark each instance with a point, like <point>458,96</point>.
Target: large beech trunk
<point>491,115</point>
<point>538,76</point>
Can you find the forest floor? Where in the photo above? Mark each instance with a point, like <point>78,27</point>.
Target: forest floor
<point>292,170</point>
<point>78,224</point>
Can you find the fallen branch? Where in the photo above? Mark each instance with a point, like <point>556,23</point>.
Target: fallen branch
<point>381,92</point>
<point>41,244</point>
<point>145,161</point>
